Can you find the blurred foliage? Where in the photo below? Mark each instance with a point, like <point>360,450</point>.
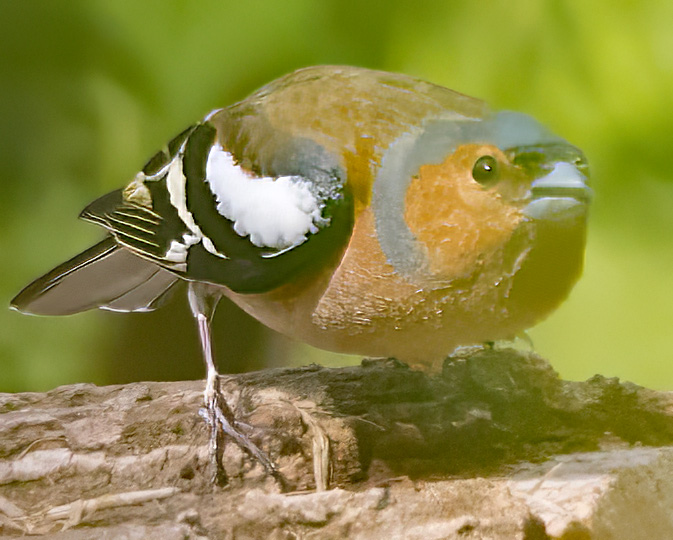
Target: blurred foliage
<point>90,88</point>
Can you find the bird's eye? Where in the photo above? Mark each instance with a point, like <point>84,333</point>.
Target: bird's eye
<point>485,170</point>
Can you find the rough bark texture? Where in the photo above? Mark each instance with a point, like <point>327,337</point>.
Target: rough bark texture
<point>496,446</point>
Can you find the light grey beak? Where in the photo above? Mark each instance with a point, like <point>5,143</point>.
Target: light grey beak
<point>561,194</point>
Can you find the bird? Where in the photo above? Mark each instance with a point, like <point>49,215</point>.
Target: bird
<point>359,211</point>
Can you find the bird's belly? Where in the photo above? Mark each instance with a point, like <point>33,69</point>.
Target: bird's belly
<point>365,307</point>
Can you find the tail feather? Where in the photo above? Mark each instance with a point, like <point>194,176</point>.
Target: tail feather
<point>104,276</point>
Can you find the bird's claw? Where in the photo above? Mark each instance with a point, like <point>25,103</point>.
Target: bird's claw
<point>219,418</point>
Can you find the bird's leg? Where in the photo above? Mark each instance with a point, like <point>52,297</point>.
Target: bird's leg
<point>203,299</point>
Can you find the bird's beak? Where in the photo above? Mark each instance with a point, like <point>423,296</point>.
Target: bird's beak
<point>560,187</point>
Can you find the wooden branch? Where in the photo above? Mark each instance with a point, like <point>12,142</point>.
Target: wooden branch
<point>496,446</point>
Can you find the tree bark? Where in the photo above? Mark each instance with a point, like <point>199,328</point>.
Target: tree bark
<point>496,446</point>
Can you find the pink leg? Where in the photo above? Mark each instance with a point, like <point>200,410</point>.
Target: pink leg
<point>203,299</point>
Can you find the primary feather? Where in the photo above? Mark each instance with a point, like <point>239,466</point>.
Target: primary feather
<point>104,276</point>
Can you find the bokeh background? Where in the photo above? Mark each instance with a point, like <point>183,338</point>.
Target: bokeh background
<point>90,89</point>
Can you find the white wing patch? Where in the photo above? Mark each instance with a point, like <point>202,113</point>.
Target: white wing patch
<point>176,185</point>
<point>177,252</point>
<point>276,213</point>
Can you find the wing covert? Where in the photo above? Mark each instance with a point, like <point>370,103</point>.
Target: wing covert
<point>203,216</point>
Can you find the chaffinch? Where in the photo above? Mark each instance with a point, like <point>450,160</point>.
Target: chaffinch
<point>359,211</point>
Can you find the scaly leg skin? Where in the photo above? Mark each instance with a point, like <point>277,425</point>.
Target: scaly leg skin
<point>203,299</point>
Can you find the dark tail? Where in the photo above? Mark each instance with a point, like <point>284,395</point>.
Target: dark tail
<point>104,276</point>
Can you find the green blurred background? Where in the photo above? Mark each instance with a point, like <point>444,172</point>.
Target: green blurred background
<point>90,89</point>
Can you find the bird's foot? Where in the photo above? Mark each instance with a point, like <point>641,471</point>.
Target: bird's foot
<point>220,419</point>
<point>215,446</point>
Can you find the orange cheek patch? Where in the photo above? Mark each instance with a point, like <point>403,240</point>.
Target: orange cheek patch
<point>458,223</point>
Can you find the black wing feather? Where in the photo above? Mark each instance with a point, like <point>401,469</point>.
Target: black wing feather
<point>237,263</point>
<point>145,232</point>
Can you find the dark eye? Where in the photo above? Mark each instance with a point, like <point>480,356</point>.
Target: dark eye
<point>485,170</point>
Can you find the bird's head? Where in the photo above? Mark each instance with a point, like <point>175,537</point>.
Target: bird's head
<point>451,197</point>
